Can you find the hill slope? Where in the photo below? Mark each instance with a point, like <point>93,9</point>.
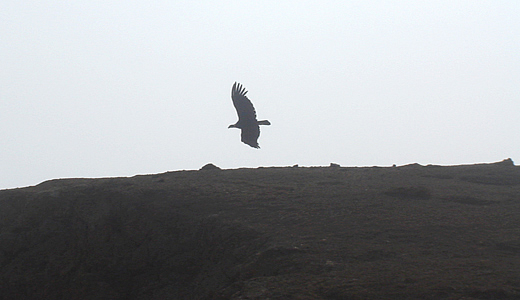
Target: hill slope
<point>410,232</point>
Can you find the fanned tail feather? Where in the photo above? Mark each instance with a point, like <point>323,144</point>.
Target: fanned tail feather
<point>264,122</point>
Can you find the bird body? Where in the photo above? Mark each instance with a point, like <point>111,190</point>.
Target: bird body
<point>247,121</point>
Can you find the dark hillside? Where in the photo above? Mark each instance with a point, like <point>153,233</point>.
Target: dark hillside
<point>410,232</point>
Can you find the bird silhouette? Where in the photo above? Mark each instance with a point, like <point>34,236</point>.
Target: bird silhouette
<point>247,121</point>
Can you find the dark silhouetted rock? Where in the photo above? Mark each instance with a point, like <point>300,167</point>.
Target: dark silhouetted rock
<point>210,166</point>
<point>508,162</point>
<point>414,165</point>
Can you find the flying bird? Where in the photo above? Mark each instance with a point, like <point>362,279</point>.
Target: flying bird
<point>247,121</point>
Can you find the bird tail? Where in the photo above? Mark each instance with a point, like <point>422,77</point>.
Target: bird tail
<point>264,122</point>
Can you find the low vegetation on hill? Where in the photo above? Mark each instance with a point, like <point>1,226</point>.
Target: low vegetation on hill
<point>407,232</point>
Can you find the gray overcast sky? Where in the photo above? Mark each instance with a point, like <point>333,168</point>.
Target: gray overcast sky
<point>118,88</point>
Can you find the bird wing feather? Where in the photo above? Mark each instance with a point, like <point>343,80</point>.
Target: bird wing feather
<point>245,110</point>
<point>250,136</point>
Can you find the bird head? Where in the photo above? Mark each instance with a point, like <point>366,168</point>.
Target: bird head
<point>232,126</point>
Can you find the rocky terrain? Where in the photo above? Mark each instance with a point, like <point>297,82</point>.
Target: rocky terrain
<point>407,232</point>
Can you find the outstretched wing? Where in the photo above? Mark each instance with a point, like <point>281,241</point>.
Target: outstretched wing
<point>245,110</point>
<point>250,135</point>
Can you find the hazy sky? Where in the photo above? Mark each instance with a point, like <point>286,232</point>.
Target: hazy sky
<point>118,88</point>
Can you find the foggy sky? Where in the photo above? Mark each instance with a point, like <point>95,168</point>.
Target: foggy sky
<point>118,88</point>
